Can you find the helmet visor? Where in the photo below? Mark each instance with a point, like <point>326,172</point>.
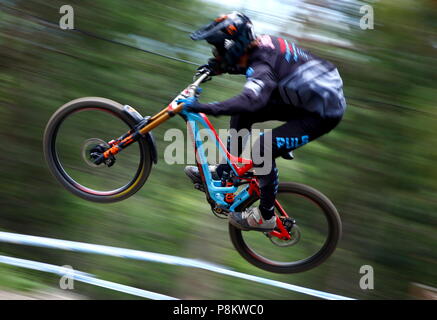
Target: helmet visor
<point>212,33</point>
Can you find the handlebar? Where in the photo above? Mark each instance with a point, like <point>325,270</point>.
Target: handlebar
<point>174,108</point>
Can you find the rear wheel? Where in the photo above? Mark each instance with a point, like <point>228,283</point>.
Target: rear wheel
<point>80,131</point>
<point>313,235</point>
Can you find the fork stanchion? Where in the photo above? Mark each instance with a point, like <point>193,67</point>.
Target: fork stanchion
<point>161,117</point>
<point>160,113</point>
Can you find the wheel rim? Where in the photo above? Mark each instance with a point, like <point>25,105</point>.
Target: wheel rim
<point>107,182</point>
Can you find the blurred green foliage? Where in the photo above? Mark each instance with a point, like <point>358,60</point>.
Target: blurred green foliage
<point>377,166</point>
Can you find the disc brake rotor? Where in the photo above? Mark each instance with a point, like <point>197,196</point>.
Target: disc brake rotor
<point>294,238</point>
<point>91,148</point>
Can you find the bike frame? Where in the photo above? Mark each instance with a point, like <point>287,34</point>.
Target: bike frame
<point>215,189</point>
<point>195,121</point>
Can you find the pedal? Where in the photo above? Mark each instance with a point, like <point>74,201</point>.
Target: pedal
<point>220,212</point>
<point>199,186</point>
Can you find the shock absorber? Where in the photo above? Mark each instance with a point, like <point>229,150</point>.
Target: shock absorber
<point>226,182</point>
<point>229,197</point>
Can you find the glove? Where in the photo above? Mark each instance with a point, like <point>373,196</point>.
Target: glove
<point>190,104</point>
<point>213,66</point>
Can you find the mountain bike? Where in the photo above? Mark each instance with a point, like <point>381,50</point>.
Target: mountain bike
<point>87,155</point>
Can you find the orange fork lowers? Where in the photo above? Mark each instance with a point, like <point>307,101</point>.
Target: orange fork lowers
<point>154,121</point>
<point>161,117</point>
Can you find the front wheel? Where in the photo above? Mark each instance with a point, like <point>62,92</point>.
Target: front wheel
<point>313,235</point>
<point>81,130</point>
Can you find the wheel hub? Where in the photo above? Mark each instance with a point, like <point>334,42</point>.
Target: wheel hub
<point>93,149</point>
<point>293,230</point>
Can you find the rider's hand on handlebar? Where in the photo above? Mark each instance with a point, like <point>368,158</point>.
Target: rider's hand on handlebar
<point>190,104</point>
<point>213,66</point>
<point>198,92</point>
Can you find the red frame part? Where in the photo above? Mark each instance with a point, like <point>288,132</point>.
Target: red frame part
<point>253,186</point>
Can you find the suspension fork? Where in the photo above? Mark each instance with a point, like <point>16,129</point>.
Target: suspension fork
<point>143,128</point>
<point>133,135</point>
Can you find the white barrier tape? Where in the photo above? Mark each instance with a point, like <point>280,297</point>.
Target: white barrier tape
<point>82,277</point>
<point>156,257</point>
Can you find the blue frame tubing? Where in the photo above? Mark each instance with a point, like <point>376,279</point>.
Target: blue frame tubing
<point>215,189</point>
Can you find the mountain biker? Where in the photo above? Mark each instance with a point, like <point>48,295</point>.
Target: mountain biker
<point>285,83</point>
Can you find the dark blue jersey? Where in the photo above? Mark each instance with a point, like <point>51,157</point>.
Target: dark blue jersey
<point>280,74</point>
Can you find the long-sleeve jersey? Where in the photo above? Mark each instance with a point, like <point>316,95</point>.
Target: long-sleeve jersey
<point>282,72</point>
